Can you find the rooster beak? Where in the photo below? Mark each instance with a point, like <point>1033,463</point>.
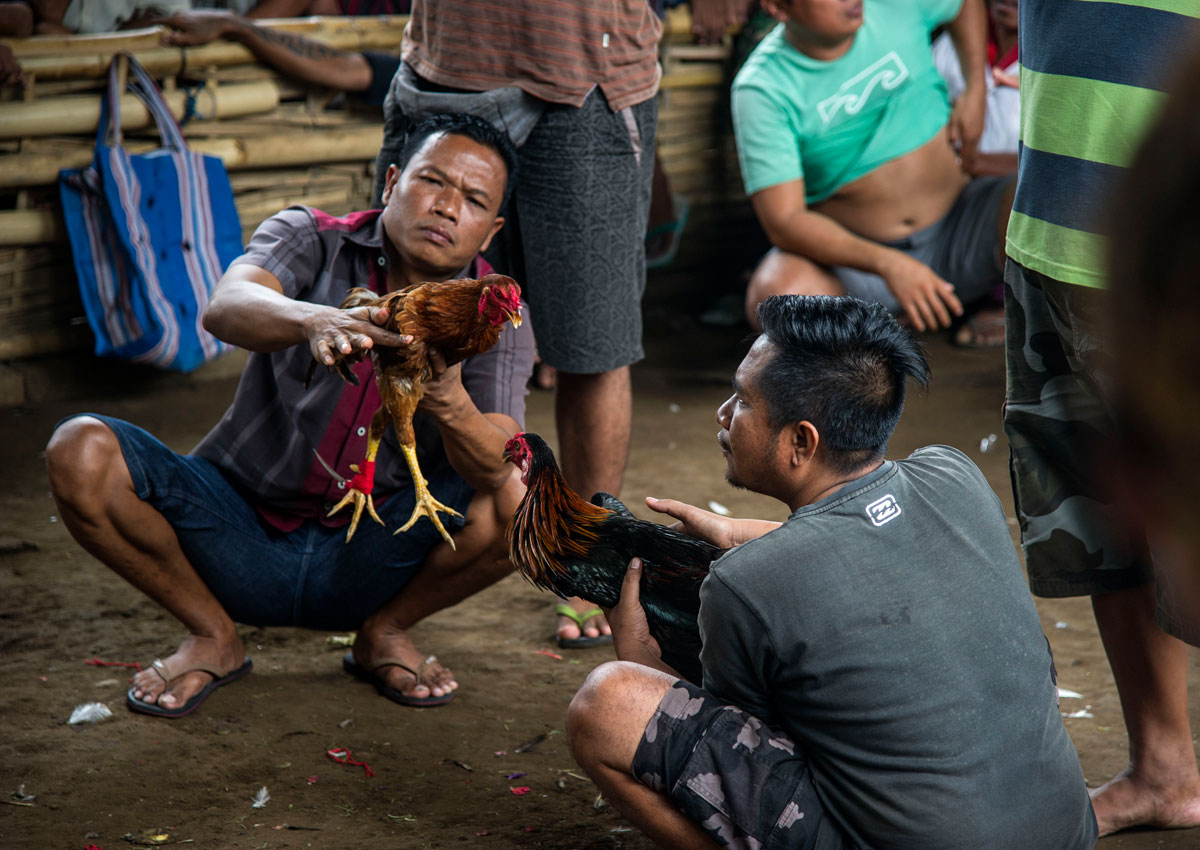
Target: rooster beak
<point>515,318</point>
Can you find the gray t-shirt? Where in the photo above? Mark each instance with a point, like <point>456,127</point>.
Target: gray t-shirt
<point>888,630</point>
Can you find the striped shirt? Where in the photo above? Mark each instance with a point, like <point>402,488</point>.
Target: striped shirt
<point>1092,80</point>
<point>556,50</point>
<point>267,440</point>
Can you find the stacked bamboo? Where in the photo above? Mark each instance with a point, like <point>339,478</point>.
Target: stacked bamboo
<point>279,143</point>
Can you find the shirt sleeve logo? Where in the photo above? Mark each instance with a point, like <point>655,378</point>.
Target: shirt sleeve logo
<point>883,510</point>
<point>887,73</point>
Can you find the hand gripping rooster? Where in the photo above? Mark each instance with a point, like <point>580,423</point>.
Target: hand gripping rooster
<point>563,544</point>
<point>460,319</point>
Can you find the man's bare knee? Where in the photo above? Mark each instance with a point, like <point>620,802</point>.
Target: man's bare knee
<point>608,714</point>
<point>783,273</point>
<point>77,457</point>
<point>591,708</point>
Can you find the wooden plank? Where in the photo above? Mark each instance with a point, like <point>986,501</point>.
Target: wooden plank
<point>17,343</point>
<point>359,144</point>
<point>693,76</point>
<point>62,115</point>
<point>89,56</point>
<point>30,227</point>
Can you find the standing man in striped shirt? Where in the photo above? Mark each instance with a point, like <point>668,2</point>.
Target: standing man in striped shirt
<point>1091,80</point>
<point>574,85</point>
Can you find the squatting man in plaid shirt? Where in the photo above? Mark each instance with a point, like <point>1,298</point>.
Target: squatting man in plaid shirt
<point>236,531</point>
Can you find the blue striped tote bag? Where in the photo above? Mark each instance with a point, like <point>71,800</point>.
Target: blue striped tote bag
<point>150,233</point>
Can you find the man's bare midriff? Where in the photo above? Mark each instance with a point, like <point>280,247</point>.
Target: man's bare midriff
<point>901,196</point>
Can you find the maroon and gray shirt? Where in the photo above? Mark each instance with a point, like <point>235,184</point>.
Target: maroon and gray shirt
<point>267,439</point>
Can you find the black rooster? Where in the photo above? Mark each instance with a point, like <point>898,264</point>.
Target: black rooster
<point>571,547</point>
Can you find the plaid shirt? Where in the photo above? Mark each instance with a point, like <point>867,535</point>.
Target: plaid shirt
<point>267,439</point>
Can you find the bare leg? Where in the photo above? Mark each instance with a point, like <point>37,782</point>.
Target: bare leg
<point>782,273</point>
<point>594,415</point>
<point>447,577</point>
<point>662,210</point>
<point>605,724</point>
<point>1160,788</point>
<point>96,499</point>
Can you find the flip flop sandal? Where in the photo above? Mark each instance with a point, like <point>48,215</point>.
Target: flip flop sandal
<point>218,680</point>
<point>394,694</point>
<point>979,332</point>
<point>581,642</point>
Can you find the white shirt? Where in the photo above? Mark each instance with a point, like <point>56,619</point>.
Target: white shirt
<point>1002,121</point>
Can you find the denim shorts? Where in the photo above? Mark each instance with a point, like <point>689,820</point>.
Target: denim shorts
<point>960,247</point>
<point>310,577</point>
<point>745,784</point>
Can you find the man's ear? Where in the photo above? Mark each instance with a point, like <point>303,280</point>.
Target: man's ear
<point>803,439</point>
<point>775,10</point>
<point>389,181</point>
<point>496,225</point>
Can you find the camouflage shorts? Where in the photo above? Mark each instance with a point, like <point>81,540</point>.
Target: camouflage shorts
<point>1059,431</point>
<point>745,784</point>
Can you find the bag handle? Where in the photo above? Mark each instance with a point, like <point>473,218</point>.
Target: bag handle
<point>146,89</point>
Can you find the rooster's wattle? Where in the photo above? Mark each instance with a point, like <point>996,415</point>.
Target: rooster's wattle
<point>572,547</point>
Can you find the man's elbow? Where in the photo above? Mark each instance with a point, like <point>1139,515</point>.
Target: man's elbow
<point>216,312</point>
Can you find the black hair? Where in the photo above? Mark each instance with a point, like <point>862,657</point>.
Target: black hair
<point>463,124</point>
<point>842,364</point>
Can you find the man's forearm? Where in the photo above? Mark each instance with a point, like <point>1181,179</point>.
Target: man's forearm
<point>474,443</point>
<point>257,318</point>
<point>303,58</point>
<point>968,33</point>
<point>819,238</point>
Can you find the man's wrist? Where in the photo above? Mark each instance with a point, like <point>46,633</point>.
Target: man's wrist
<point>884,261</point>
<point>238,29</point>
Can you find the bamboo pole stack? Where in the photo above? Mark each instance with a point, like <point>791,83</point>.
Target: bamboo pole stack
<point>277,142</point>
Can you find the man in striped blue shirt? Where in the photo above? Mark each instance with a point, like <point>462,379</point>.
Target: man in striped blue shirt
<point>1092,75</point>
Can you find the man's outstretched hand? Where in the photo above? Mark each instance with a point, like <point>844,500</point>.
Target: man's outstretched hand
<point>337,333</point>
<point>721,531</point>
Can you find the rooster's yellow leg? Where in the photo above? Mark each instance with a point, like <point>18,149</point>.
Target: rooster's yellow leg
<point>360,498</point>
<point>426,504</point>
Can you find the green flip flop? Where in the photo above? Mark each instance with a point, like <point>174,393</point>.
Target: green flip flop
<point>581,642</point>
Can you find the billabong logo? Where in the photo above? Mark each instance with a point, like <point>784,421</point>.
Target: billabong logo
<point>883,510</point>
<point>852,95</point>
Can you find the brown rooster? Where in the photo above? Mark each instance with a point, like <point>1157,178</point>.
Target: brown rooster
<point>571,547</point>
<point>459,318</point>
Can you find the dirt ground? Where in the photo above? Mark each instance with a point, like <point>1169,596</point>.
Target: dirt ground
<point>444,777</point>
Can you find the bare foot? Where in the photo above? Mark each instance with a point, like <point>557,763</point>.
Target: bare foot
<point>1126,801</point>
<point>568,629</point>
<point>386,642</point>
<point>195,651</point>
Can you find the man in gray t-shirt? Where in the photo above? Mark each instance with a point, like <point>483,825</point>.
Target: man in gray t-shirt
<point>875,675</point>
